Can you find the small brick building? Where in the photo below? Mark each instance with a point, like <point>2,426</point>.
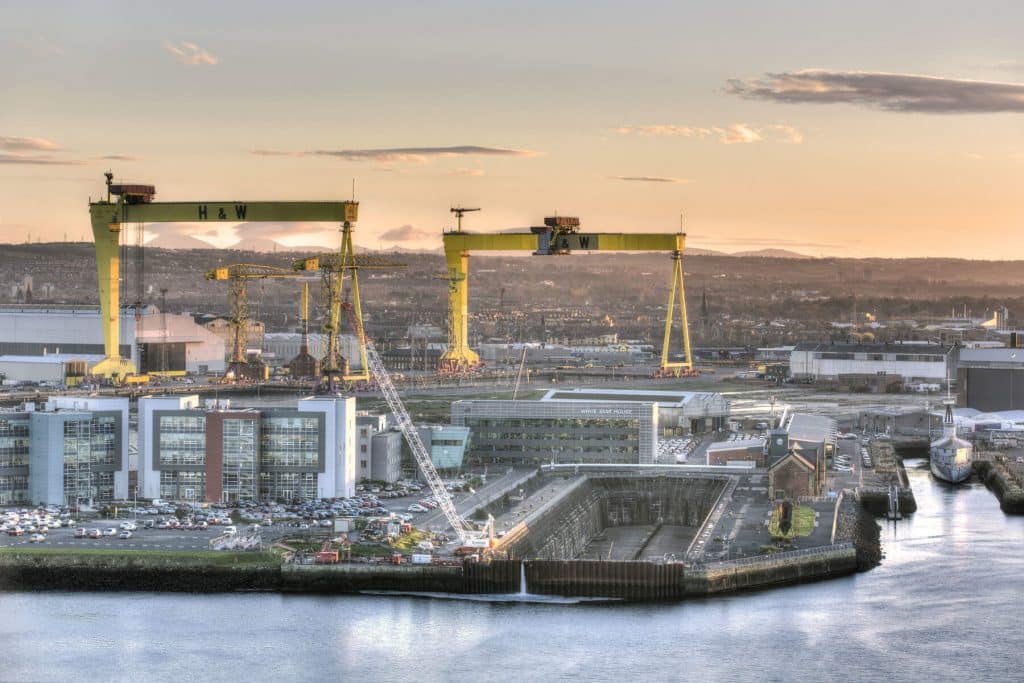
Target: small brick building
<point>791,476</point>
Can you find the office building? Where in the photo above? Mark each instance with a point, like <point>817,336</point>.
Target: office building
<point>679,412</point>
<point>446,444</point>
<point>220,453</point>
<point>71,451</point>
<point>582,431</point>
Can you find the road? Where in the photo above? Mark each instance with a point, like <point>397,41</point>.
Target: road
<point>467,503</point>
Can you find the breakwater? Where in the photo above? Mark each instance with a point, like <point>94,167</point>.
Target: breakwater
<point>1000,480</point>
<point>888,471</point>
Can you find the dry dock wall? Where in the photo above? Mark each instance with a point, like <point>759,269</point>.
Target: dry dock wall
<point>563,528</point>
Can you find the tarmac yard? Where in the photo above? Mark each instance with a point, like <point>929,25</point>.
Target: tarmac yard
<point>142,539</point>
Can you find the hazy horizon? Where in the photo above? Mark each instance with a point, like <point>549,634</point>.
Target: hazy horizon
<point>887,130</point>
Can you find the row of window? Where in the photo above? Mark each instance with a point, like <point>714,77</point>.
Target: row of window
<point>13,489</point>
<point>82,485</point>
<point>554,437</point>
<point>271,486</point>
<point>546,423</point>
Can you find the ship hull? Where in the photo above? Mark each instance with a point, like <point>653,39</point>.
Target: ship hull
<point>951,473</point>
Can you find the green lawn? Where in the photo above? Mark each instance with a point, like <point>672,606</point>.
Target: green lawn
<point>803,523</point>
<point>214,557</point>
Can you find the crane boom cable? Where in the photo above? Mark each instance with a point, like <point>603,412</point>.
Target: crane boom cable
<point>409,431</point>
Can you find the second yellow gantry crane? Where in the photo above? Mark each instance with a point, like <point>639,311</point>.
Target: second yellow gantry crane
<point>558,236</point>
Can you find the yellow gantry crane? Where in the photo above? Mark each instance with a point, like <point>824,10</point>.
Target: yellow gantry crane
<point>237,277</point>
<point>558,236</point>
<point>333,268</point>
<point>133,204</point>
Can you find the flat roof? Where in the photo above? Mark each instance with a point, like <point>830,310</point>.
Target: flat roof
<point>805,427</point>
<point>735,444</point>
<point>999,355</point>
<point>874,348</point>
<point>53,358</point>
<point>678,398</point>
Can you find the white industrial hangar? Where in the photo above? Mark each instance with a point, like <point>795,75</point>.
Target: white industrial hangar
<point>815,361</point>
<point>691,411</point>
<point>75,332</point>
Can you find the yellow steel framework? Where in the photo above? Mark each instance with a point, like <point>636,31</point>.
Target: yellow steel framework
<point>237,277</point>
<point>333,268</point>
<point>558,236</point>
<point>134,204</point>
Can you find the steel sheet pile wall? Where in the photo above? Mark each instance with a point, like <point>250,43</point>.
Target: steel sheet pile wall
<point>597,579</point>
<point>497,576</point>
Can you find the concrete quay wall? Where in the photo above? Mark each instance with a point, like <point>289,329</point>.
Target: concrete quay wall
<point>796,566</point>
<point>1002,483</point>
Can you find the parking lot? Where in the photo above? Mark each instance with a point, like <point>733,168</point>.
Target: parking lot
<point>142,539</point>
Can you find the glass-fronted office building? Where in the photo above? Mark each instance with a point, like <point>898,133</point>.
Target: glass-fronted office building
<point>514,432</point>
<point>67,451</point>
<point>222,454</point>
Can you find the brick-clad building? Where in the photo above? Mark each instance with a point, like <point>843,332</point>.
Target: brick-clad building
<point>791,476</point>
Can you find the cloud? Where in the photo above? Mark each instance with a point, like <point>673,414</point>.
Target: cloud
<point>275,153</point>
<point>38,160</point>
<point>475,172</point>
<point>650,179</point>
<point>16,144</point>
<point>119,157</point>
<point>190,54</point>
<point>407,154</point>
<point>737,133</point>
<point>885,91</point>
<point>405,233</point>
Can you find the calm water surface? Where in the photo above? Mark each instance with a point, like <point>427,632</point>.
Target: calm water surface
<point>944,605</point>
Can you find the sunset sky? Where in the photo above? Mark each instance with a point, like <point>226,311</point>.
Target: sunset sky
<point>831,128</point>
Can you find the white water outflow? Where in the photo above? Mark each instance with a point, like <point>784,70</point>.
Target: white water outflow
<point>522,579</point>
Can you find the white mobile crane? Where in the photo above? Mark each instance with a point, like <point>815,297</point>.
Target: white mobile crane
<point>469,536</point>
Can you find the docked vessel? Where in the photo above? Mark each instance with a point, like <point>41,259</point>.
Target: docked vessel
<point>951,456</point>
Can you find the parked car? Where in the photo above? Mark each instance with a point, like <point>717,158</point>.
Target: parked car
<point>94,533</point>
<point>125,534</point>
<point>79,533</point>
<point>110,531</point>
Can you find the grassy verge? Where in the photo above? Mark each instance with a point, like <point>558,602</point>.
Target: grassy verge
<point>803,523</point>
<point>208,557</point>
<point>408,542</point>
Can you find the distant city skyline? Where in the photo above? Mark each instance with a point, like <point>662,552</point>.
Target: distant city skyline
<point>881,130</point>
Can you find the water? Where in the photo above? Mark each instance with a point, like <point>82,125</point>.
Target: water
<point>944,605</point>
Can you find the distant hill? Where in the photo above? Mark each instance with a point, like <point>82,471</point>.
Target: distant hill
<point>772,253</point>
<point>178,242</point>
<point>696,251</point>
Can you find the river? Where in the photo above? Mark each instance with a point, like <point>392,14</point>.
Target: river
<point>944,605</point>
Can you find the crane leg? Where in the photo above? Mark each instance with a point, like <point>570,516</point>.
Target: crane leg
<point>682,368</point>
<point>458,357</point>
<point>106,234</point>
